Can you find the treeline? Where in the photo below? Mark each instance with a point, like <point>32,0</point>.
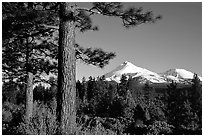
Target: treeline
<point>110,108</point>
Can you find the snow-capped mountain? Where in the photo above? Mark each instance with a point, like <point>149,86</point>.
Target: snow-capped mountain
<point>178,75</point>
<point>131,70</point>
<point>127,68</point>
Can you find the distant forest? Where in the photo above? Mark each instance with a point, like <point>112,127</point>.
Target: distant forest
<point>110,108</point>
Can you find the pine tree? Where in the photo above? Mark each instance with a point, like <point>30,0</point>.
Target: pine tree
<point>79,91</point>
<point>190,121</point>
<point>196,98</point>
<point>181,113</point>
<point>28,48</point>
<point>71,17</point>
<point>21,26</point>
<point>173,104</point>
<point>84,89</point>
<point>66,113</point>
<point>196,94</point>
<point>149,92</point>
<point>123,86</point>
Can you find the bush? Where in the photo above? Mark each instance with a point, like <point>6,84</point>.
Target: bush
<point>99,126</point>
<point>43,121</point>
<point>11,117</point>
<point>159,128</point>
<point>97,130</point>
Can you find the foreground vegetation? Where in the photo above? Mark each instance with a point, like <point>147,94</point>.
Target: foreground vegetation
<point>108,108</point>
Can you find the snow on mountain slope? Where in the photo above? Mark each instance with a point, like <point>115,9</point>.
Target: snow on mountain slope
<point>130,69</point>
<point>178,74</point>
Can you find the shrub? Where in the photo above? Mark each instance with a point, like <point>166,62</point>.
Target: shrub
<point>159,128</point>
<point>99,129</point>
<point>43,121</point>
<point>99,126</point>
<point>11,117</point>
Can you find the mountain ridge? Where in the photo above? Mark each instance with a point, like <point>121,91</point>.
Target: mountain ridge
<point>129,69</point>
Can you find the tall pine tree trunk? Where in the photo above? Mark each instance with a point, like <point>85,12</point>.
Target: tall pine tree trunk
<point>66,96</point>
<point>29,88</point>
<point>29,96</point>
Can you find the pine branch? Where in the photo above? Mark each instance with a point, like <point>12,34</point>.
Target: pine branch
<point>91,10</point>
<point>96,56</point>
<point>50,26</point>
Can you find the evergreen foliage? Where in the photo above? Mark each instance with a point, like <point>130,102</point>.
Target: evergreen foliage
<point>140,111</point>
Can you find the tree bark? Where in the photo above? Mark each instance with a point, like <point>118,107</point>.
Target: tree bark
<point>29,96</point>
<point>29,88</point>
<point>66,96</point>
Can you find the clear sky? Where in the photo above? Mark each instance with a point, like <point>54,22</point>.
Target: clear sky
<point>173,42</point>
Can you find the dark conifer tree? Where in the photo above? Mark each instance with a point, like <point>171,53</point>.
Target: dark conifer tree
<point>84,89</point>
<point>196,98</point>
<point>123,86</point>
<point>189,120</point>
<point>173,104</point>
<point>180,112</point>
<point>91,88</point>
<point>196,94</point>
<point>148,91</point>
<point>79,92</point>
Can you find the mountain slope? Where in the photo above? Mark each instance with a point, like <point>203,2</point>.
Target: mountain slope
<point>134,71</point>
<point>127,68</point>
<point>178,75</point>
